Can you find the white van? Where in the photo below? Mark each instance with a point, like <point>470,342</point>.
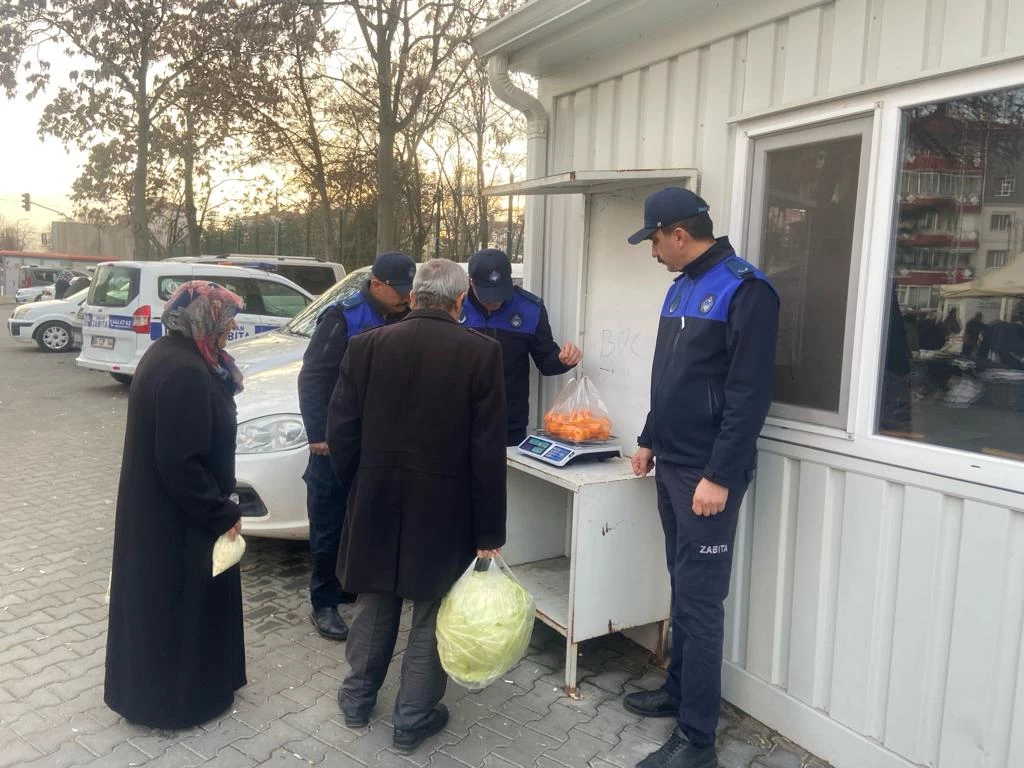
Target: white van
<point>314,275</point>
<point>121,317</point>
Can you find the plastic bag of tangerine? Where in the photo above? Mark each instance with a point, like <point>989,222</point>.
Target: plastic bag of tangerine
<point>578,413</point>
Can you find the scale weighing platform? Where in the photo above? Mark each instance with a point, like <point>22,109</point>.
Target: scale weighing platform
<point>561,453</point>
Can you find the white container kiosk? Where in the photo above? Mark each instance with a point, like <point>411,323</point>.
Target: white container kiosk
<point>876,612</point>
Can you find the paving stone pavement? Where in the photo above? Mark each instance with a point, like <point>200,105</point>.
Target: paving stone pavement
<point>61,431</point>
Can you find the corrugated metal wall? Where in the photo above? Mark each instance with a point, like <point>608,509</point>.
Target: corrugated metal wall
<point>889,602</point>
<point>893,603</point>
<point>673,113</point>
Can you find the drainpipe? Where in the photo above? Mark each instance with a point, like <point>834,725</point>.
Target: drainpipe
<point>536,164</point>
<point>536,205</point>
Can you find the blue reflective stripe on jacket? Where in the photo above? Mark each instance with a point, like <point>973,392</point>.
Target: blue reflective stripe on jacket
<point>520,314</point>
<point>713,370</point>
<point>521,326</point>
<point>339,322</point>
<point>361,314</point>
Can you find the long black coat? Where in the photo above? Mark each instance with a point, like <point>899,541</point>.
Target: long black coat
<point>416,429</point>
<point>175,652</point>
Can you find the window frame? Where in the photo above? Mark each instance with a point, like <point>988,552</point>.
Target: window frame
<point>860,440</point>
<point>992,252</point>
<point>829,131</point>
<point>1003,217</point>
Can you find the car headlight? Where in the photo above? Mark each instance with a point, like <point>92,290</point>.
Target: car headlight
<point>19,313</point>
<point>268,434</point>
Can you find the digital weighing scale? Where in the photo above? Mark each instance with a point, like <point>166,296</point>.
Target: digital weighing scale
<point>560,453</point>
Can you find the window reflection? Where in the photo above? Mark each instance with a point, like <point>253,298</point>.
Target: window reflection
<point>810,208</point>
<point>954,362</point>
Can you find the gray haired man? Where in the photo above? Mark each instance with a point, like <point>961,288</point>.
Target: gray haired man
<point>416,429</point>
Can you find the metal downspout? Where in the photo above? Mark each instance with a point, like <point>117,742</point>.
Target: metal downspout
<point>536,163</point>
<point>536,205</point>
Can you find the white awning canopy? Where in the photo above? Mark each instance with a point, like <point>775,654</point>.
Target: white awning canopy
<point>1006,281</point>
<point>590,182</point>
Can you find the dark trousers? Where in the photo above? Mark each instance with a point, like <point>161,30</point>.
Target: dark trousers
<point>325,506</point>
<point>370,648</point>
<point>699,552</point>
<point>515,437</point>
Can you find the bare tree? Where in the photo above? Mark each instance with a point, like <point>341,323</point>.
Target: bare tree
<point>13,235</point>
<point>408,43</point>
<point>139,58</point>
<point>290,108</point>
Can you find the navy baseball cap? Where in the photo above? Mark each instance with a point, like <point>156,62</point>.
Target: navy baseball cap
<point>667,206</point>
<point>491,273</point>
<point>395,269</point>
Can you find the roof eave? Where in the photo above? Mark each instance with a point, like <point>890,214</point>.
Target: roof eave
<point>534,23</point>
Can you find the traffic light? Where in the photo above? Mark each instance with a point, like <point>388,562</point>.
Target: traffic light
<point>26,201</point>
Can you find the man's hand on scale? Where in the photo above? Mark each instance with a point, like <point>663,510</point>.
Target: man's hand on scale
<point>643,462</point>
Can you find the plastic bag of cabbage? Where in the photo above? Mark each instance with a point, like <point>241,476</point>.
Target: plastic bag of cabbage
<point>484,624</point>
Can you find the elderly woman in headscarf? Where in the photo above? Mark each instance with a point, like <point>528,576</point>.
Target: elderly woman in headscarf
<point>175,650</point>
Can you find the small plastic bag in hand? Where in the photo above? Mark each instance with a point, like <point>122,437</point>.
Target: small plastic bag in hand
<point>227,552</point>
<point>578,414</point>
<point>484,625</point>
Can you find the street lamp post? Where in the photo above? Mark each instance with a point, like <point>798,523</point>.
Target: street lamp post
<point>437,222</point>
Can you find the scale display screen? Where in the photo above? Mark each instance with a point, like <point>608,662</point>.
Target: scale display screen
<point>537,446</point>
<point>558,454</point>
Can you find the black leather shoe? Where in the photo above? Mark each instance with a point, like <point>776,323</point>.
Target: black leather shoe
<point>353,719</point>
<point>329,624</point>
<point>408,741</point>
<point>659,703</point>
<point>678,752</point>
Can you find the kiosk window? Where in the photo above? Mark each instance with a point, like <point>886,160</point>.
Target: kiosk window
<point>954,348</point>
<point>806,223</point>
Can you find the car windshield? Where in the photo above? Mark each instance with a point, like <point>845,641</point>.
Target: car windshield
<point>78,297</point>
<point>305,321</point>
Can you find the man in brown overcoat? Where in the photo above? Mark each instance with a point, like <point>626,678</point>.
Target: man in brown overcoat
<point>416,431</point>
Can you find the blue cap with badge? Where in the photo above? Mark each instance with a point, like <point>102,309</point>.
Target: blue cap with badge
<point>396,270</point>
<point>668,206</point>
<point>491,274</point>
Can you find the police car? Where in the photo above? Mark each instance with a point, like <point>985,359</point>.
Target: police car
<point>121,316</point>
<point>53,325</point>
<point>312,274</point>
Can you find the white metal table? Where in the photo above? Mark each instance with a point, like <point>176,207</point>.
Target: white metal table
<point>586,542</point>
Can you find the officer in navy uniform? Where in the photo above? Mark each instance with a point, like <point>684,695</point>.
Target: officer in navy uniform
<point>382,300</point>
<point>517,319</point>
<point>711,385</point>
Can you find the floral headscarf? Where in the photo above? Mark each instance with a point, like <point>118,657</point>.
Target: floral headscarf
<point>202,311</point>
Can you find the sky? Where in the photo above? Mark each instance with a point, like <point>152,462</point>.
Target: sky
<point>43,168</point>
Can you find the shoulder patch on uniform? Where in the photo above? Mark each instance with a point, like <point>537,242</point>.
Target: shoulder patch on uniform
<point>334,306</point>
<point>352,300</point>
<point>529,296</point>
<point>740,268</point>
